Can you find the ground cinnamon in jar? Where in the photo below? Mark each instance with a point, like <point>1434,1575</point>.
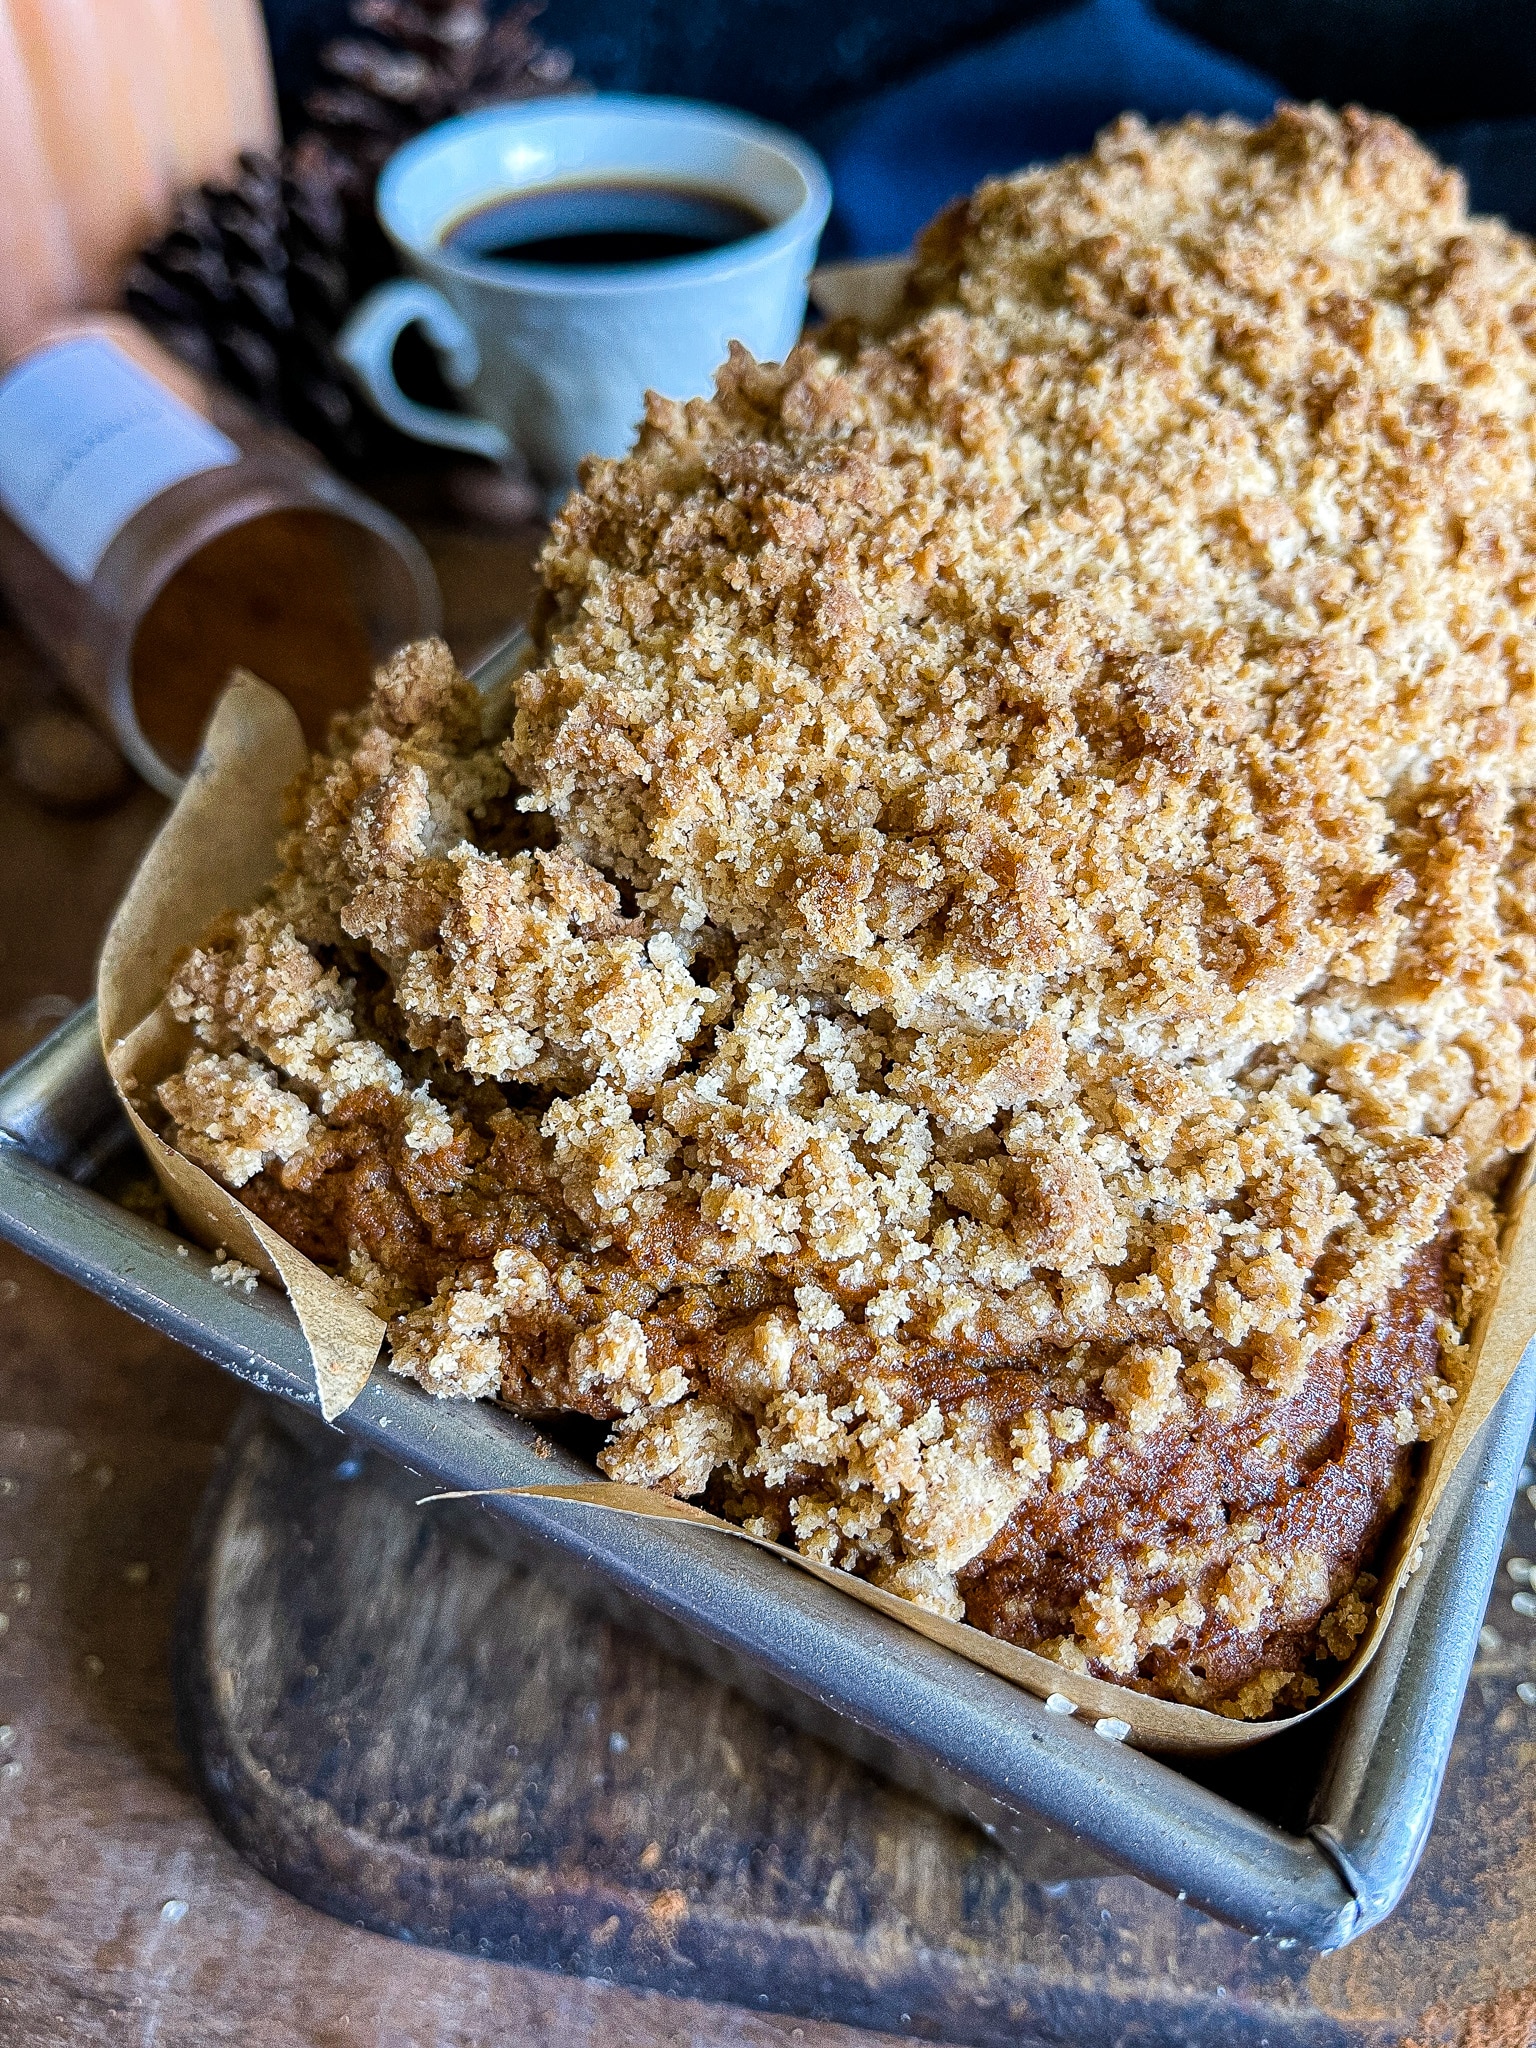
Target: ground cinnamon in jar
<point>274,596</point>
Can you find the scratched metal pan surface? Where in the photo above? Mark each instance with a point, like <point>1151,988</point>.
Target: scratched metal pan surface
<point>1311,1837</point>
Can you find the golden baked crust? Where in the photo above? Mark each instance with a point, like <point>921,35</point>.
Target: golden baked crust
<point>1012,954</point>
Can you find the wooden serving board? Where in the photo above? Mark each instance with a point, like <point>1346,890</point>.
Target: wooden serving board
<point>421,1736</point>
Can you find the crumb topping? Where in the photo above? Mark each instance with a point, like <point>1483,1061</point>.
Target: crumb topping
<point>977,1015</point>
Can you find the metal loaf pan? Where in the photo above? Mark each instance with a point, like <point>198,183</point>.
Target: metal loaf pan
<point>1049,1788</point>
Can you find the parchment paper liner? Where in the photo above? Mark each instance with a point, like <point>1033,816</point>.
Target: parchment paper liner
<point>217,852</point>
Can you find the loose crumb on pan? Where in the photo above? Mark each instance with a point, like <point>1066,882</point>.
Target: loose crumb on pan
<point>234,1274</point>
<point>977,1016</point>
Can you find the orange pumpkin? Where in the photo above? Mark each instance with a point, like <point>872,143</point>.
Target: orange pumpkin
<point>108,109</point>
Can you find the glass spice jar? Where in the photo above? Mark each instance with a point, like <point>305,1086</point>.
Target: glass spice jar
<point>155,533</point>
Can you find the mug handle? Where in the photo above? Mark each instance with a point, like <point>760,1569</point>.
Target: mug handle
<point>366,344</point>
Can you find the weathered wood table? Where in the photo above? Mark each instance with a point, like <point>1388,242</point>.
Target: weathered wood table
<point>404,1707</point>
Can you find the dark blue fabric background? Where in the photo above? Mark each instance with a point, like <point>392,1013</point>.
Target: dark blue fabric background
<point>1026,98</point>
<point>1046,89</point>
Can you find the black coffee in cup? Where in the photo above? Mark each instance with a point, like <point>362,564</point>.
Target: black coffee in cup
<point>602,226</point>
<point>567,256</point>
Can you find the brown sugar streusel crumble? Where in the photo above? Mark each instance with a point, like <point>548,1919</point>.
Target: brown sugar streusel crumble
<point>976,1012</point>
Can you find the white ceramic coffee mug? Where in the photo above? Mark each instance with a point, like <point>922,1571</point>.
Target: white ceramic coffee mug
<point>554,363</point>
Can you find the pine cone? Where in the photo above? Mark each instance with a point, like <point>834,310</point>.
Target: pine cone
<point>425,60</point>
<point>251,282</point>
<point>253,278</point>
